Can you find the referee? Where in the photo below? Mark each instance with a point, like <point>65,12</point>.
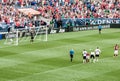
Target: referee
<point>71,54</point>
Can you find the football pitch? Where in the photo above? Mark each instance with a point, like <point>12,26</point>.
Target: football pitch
<point>50,61</point>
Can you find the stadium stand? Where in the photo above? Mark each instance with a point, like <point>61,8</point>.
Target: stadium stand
<point>54,10</point>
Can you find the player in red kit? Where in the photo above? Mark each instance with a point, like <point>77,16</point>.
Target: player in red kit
<point>116,48</point>
<point>87,57</point>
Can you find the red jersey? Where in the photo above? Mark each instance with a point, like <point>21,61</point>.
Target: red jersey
<point>87,54</point>
<point>116,47</point>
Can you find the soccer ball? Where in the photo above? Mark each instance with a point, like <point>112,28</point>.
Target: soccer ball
<point>11,40</point>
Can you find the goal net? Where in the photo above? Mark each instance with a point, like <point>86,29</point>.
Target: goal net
<point>11,38</point>
<point>21,35</point>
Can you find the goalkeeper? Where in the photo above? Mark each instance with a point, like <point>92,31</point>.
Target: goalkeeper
<point>32,36</point>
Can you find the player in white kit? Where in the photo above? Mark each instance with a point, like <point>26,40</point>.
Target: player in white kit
<point>97,53</point>
<point>84,55</point>
<point>92,56</point>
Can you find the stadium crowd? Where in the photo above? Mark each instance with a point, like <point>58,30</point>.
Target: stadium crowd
<point>57,9</point>
<point>81,9</point>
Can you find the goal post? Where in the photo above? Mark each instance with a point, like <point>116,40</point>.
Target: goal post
<point>11,38</point>
<point>16,41</point>
<point>23,34</point>
<point>41,33</point>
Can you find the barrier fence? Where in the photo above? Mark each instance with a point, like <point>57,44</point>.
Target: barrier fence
<point>64,23</point>
<point>69,25</point>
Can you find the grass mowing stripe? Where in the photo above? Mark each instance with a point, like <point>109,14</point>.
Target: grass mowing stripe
<point>52,37</point>
<point>27,56</point>
<point>53,56</point>
<point>83,72</point>
<point>9,62</point>
<point>39,53</point>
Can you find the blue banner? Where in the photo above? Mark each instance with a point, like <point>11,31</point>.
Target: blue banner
<point>3,27</point>
<point>89,21</point>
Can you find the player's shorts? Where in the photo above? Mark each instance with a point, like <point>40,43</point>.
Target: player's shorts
<point>92,56</point>
<point>87,57</point>
<point>71,55</point>
<point>84,57</point>
<point>116,52</point>
<point>32,37</point>
<point>97,55</point>
<point>99,29</point>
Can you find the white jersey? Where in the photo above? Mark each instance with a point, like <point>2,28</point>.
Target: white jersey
<point>84,53</point>
<point>97,51</point>
<point>92,53</point>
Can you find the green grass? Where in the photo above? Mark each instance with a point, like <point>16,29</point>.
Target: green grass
<point>49,61</point>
